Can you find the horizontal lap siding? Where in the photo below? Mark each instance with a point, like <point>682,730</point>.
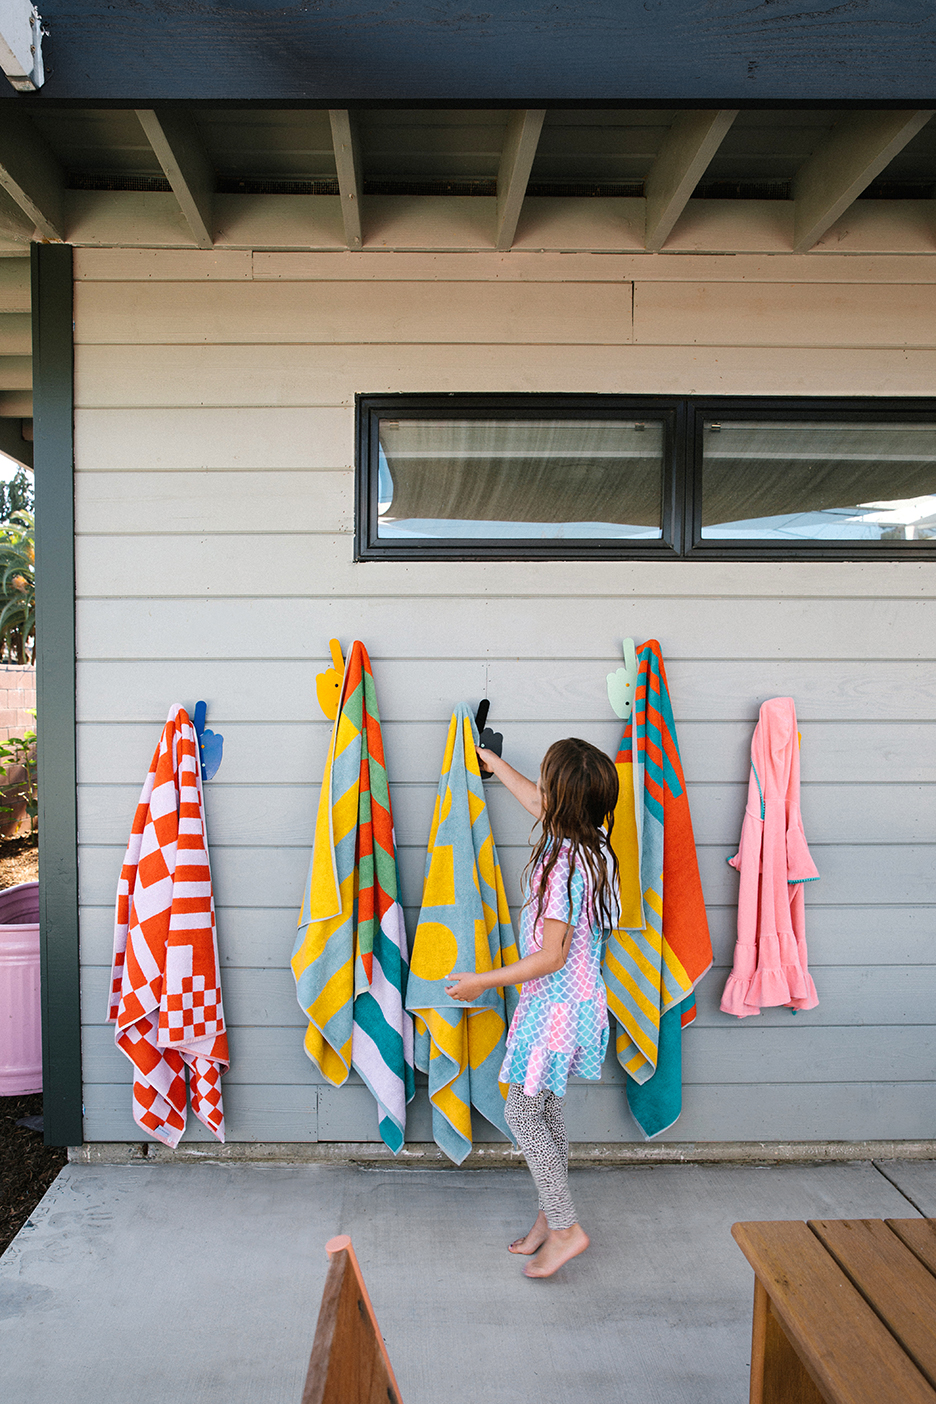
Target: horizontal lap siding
<point>162,376</point>
<point>214,434</point>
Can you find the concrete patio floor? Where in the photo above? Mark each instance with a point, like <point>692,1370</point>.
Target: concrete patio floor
<point>200,1284</point>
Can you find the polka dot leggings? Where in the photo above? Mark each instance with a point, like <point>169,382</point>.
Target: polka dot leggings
<point>538,1126</point>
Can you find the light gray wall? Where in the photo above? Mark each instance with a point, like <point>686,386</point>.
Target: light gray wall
<point>214,432</point>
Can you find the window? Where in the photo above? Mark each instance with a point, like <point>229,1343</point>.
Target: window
<point>604,477</point>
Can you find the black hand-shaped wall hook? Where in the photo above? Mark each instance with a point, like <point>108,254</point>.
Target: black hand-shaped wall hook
<point>490,740</point>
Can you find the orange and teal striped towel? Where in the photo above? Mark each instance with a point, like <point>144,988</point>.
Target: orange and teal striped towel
<point>662,949</point>
<point>350,958</point>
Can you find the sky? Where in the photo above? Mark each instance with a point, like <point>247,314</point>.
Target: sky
<point>8,468</point>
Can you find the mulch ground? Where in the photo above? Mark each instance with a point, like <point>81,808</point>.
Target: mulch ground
<point>27,1166</point>
<point>19,860</point>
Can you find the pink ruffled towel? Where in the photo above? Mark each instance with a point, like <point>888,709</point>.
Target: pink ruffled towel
<point>774,863</point>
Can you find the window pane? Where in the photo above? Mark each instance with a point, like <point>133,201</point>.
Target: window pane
<point>811,481</point>
<point>543,479</point>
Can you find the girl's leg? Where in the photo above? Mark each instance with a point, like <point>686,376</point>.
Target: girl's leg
<point>552,1115</point>
<point>515,1116</point>
<point>541,1136</point>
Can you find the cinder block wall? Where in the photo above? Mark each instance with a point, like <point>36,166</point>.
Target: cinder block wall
<point>17,700</point>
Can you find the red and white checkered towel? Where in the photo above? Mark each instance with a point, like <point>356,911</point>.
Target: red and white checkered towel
<point>166,982</point>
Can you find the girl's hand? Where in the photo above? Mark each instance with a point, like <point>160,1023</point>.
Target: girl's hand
<point>526,791</point>
<point>484,761</point>
<point>466,987</point>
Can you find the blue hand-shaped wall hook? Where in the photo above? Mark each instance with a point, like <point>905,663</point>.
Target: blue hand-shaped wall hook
<point>210,743</point>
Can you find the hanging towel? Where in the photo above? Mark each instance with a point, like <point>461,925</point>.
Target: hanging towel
<point>350,955</point>
<point>165,982</point>
<point>464,924</point>
<point>652,966</point>
<point>774,863</point>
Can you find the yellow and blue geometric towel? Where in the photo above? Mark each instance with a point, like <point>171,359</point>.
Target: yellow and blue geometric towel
<point>350,956</point>
<point>464,924</point>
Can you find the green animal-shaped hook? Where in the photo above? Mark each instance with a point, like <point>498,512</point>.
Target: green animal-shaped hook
<point>622,684</point>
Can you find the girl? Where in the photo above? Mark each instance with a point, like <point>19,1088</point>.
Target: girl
<point>560,1026</point>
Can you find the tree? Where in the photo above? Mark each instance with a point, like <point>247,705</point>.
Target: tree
<point>17,495</point>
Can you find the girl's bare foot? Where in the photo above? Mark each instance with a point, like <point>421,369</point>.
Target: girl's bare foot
<point>559,1246</point>
<point>533,1240</point>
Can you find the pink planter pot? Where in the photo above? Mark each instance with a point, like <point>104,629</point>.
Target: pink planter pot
<point>20,1009</point>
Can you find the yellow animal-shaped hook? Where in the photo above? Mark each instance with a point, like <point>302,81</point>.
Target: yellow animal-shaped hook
<point>328,684</point>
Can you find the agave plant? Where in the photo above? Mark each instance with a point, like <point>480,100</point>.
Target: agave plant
<point>18,587</point>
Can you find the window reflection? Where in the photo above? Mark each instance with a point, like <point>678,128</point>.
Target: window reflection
<point>818,481</point>
<point>531,479</point>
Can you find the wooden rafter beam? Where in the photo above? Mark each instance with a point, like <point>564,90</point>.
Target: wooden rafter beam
<point>513,174</point>
<point>348,166</point>
<point>14,284</point>
<point>13,443</point>
<point>178,148</point>
<point>16,373</point>
<point>15,334</point>
<point>31,174</point>
<point>16,404</point>
<point>854,153</point>
<point>683,159</point>
<point>15,224</point>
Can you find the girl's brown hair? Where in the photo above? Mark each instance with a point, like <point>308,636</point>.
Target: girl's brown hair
<point>579,787</point>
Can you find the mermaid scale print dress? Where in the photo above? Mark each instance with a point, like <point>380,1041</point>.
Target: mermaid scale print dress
<point>560,1026</point>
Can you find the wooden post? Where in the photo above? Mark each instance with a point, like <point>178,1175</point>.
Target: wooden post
<point>758,1341</point>
<point>349,1362</point>
<point>53,361</point>
<point>778,1376</point>
<point>785,1378</point>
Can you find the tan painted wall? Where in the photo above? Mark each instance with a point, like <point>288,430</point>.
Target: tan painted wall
<point>215,509</point>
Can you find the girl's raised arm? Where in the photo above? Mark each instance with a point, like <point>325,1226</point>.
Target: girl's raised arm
<point>526,791</point>
<point>552,956</point>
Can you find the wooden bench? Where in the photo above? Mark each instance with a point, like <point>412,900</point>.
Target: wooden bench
<point>349,1362</point>
<point>844,1311</point>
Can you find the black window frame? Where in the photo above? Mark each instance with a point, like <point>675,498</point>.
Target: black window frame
<point>683,417</point>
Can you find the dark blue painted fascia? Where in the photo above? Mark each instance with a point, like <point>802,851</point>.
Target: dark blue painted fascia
<point>438,52</point>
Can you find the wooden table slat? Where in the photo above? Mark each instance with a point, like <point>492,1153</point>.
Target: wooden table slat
<point>891,1279</point>
<point>919,1236</point>
<point>854,1359</point>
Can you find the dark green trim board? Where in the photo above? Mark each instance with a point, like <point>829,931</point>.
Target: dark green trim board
<point>53,450</point>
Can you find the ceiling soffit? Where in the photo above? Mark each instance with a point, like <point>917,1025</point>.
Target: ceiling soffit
<point>656,180</point>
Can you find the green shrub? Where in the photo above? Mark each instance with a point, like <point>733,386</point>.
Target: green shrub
<point>18,792</point>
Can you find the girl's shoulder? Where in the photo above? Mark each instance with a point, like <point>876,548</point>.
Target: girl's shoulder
<point>557,855</point>
<point>554,850</point>
<point>562,854</point>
